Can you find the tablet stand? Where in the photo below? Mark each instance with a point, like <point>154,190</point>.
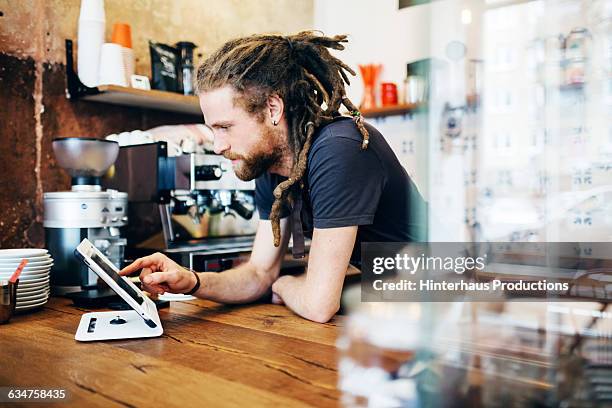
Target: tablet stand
<point>115,325</point>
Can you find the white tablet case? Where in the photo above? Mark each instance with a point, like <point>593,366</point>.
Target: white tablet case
<point>102,329</point>
<point>97,325</point>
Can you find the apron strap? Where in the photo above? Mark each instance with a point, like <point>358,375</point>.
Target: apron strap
<point>296,228</point>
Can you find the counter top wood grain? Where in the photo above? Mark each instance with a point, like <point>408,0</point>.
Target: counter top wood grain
<point>209,355</point>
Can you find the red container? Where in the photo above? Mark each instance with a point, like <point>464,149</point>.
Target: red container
<point>388,91</point>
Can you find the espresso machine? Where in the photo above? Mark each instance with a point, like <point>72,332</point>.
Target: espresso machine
<point>189,206</point>
<point>86,211</point>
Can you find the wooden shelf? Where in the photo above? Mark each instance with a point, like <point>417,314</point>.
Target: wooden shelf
<point>139,98</point>
<point>382,111</point>
<point>174,102</point>
<point>170,101</point>
<point>186,104</point>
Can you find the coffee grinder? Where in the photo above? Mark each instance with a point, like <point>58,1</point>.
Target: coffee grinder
<point>86,211</point>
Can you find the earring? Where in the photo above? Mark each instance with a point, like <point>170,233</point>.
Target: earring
<point>274,122</point>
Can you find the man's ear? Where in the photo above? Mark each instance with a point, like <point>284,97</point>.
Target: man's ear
<point>276,108</point>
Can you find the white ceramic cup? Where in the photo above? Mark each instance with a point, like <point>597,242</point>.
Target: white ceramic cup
<point>112,65</point>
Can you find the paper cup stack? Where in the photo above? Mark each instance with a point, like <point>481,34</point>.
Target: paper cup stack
<point>33,288</point>
<point>92,21</point>
<point>122,35</point>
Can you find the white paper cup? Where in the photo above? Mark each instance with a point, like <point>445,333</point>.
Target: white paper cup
<point>92,10</point>
<point>128,61</point>
<point>89,43</point>
<point>112,66</point>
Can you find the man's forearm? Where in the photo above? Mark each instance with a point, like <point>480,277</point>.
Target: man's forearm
<point>304,300</point>
<point>237,285</point>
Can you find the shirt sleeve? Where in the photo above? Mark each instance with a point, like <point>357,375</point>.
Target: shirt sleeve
<point>264,187</point>
<point>345,183</point>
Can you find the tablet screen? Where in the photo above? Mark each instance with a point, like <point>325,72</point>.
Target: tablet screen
<point>117,278</point>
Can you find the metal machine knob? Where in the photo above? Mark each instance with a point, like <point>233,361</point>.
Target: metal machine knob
<point>207,172</point>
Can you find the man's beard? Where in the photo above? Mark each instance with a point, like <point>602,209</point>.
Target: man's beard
<point>255,164</point>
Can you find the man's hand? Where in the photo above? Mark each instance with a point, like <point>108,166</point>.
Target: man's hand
<point>276,299</point>
<point>315,295</point>
<point>160,274</point>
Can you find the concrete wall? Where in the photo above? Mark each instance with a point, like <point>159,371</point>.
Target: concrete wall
<point>33,107</point>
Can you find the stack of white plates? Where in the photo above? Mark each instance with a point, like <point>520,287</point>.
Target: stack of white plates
<point>33,288</point>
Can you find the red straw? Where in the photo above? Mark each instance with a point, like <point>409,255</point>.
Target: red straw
<point>17,272</point>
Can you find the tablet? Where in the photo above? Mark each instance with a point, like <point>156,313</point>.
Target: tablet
<point>109,273</point>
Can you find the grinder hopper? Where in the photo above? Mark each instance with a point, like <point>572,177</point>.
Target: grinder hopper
<point>85,159</point>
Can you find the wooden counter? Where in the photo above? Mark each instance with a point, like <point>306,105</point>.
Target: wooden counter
<point>209,355</point>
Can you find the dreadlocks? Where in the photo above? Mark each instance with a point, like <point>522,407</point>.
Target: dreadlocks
<point>303,73</point>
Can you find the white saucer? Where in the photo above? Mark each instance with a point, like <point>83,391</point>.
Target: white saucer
<point>21,300</point>
<point>175,297</point>
<point>26,273</point>
<point>31,281</point>
<point>5,263</point>
<point>26,278</point>
<point>33,301</point>
<point>36,292</point>
<point>22,253</point>
<point>27,291</point>
<point>30,288</point>
<point>30,266</point>
<point>26,269</point>
<point>31,306</point>
<point>30,284</point>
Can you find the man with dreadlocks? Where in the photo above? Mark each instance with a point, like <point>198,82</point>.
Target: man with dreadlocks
<point>273,105</point>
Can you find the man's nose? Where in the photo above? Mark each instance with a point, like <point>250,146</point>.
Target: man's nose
<point>220,145</point>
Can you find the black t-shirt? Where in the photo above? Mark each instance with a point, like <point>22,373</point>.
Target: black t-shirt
<point>346,186</point>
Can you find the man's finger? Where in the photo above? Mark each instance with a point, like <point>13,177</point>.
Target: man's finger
<point>140,263</point>
<point>134,266</point>
<point>157,278</point>
<point>173,277</point>
<point>277,300</point>
<point>144,272</point>
<point>157,289</point>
